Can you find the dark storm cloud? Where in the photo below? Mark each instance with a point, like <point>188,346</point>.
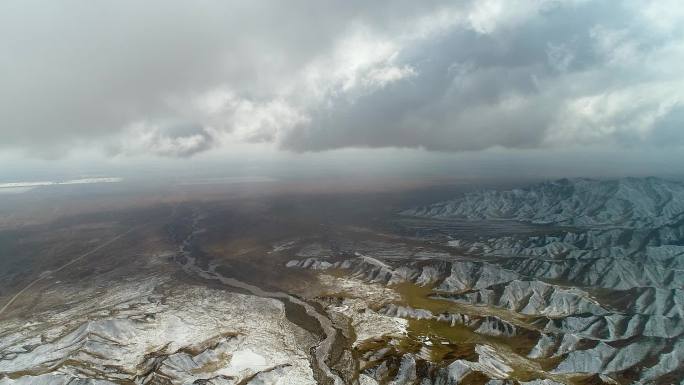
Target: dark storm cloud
<point>177,78</point>
<point>512,86</point>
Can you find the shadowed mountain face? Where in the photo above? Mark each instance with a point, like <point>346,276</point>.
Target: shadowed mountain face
<point>568,282</point>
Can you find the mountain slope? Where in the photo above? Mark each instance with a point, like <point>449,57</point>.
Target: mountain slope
<point>628,202</point>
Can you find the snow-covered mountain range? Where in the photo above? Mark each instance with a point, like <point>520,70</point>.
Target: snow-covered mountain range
<point>627,202</point>
<point>600,287</point>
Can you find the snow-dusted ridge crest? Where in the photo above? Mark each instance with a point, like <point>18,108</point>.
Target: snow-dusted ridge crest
<point>599,288</point>
<point>151,332</point>
<point>626,202</point>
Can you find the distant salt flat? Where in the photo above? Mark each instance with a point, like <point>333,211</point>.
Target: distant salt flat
<point>19,187</point>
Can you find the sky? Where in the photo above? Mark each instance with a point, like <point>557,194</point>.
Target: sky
<point>575,86</point>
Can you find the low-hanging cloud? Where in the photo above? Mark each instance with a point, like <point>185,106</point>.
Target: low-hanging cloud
<point>177,78</point>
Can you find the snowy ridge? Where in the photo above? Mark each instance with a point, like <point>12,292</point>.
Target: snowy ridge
<point>628,202</point>
<point>150,339</point>
<point>600,290</point>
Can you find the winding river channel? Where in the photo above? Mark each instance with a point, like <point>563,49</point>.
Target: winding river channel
<point>322,350</point>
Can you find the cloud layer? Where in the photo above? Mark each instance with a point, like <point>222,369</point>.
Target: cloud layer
<point>176,78</point>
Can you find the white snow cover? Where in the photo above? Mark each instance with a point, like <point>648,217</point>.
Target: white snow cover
<point>188,333</point>
<point>628,202</point>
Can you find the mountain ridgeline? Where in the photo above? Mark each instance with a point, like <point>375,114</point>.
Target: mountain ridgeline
<point>628,203</point>
<point>599,288</point>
